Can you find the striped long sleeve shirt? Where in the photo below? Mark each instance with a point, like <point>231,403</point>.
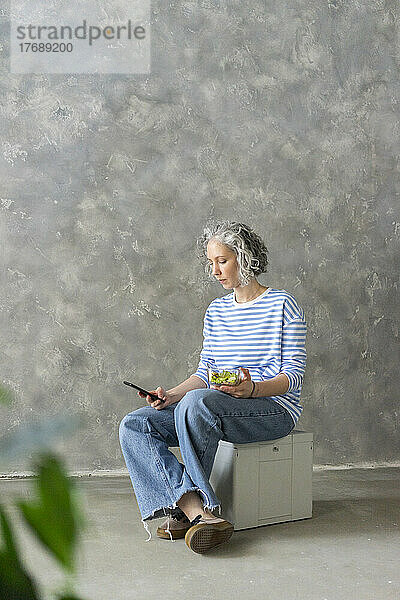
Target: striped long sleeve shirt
<point>266,335</point>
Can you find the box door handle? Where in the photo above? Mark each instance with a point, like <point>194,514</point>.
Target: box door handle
<point>275,449</point>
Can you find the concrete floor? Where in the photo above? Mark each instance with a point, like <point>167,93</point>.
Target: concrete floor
<point>350,549</point>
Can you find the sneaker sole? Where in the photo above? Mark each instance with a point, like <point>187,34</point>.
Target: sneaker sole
<point>204,536</point>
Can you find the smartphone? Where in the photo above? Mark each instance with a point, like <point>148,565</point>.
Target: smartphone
<point>153,396</point>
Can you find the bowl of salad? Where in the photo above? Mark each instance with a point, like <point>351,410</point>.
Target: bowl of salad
<point>224,376</point>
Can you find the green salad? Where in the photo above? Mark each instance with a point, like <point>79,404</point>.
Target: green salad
<point>227,377</point>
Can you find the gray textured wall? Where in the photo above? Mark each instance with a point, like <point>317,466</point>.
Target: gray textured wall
<point>283,115</point>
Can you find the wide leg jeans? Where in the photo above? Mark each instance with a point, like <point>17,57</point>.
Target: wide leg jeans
<point>196,424</point>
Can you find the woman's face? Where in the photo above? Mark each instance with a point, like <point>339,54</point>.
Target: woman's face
<point>224,264</point>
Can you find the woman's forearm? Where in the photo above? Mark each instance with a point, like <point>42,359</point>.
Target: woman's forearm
<point>276,386</point>
<point>192,383</point>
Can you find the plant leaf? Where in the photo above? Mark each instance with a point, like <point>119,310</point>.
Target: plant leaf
<point>55,516</point>
<point>15,582</point>
<point>5,395</point>
<point>69,598</point>
<point>7,535</point>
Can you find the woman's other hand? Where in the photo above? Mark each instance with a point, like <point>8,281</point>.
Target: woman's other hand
<point>161,393</point>
<point>242,390</point>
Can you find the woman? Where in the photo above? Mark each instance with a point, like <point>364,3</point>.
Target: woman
<point>260,329</point>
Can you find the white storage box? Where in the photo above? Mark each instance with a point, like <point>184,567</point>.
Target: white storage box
<point>263,482</point>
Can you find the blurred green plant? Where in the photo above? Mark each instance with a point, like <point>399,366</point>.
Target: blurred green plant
<point>54,516</point>
<point>5,396</point>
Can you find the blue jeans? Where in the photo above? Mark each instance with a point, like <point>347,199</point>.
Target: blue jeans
<point>196,424</point>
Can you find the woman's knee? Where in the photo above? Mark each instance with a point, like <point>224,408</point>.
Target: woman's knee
<point>195,402</point>
<point>197,394</point>
<point>132,421</point>
<point>190,399</point>
<point>123,426</point>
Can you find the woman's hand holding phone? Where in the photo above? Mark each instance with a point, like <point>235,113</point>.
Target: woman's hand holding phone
<point>161,393</point>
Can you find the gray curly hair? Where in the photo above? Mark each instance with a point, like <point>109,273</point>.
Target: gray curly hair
<point>251,252</point>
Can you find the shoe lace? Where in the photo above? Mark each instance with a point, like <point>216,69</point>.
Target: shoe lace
<point>196,520</point>
<point>177,514</point>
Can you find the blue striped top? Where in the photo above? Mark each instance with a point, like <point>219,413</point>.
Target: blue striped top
<point>266,335</point>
